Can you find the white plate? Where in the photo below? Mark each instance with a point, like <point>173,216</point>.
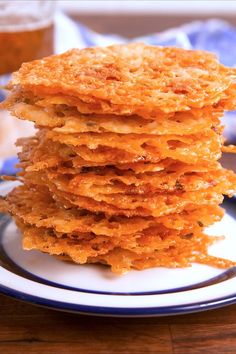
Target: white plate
<point>92,289</point>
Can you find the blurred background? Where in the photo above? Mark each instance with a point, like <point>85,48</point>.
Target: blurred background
<point>137,18</point>
<point>36,28</point>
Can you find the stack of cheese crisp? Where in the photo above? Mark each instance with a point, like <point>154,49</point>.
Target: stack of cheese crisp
<point>124,168</point>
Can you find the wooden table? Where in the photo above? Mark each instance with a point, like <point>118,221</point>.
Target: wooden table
<point>28,329</point>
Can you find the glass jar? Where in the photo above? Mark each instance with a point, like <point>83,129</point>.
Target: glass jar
<point>26,32</point>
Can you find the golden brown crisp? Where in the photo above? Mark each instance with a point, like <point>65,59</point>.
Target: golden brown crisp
<point>147,251</point>
<point>131,78</point>
<point>124,167</point>
<point>69,120</point>
<point>35,206</point>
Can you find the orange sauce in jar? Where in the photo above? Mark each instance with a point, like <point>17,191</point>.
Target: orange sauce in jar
<point>17,47</point>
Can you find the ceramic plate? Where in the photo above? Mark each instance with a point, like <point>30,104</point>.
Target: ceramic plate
<point>92,289</point>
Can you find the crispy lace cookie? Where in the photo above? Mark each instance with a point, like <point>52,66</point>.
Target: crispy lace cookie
<point>190,149</point>
<point>39,153</point>
<point>145,252</point>
<point>35,206</point>
<point>66,119</point>
<point>156,205</point>
<point>108,180</point>
<point>129,79</point>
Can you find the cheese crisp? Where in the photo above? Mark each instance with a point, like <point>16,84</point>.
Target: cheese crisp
<point>124,167</point>
<point>125,79</point>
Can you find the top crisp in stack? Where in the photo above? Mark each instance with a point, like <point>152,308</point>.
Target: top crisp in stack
<point>123,169</point>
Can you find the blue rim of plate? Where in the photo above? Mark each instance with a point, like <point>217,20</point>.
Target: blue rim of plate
<point>117,311</point>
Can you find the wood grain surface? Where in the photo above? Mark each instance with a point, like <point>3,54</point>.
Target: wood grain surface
<point>29,329</point>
